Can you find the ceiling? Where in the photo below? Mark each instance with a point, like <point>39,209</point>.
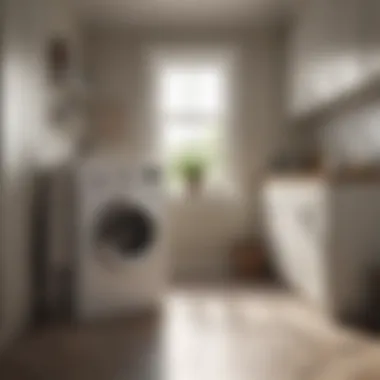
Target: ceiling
<point>185,12</point>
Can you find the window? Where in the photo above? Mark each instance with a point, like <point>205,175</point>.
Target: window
<point>191,100</point>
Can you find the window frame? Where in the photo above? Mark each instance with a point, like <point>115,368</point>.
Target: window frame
<point>223,55</point>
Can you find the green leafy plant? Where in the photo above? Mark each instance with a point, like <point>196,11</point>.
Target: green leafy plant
<point>191,167</point>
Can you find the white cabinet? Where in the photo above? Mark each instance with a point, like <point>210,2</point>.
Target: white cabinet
<point>296,220</point>
<point>305,54</point>
<point>327,54</point>
<point>370,38</point>
<point>324,238</point>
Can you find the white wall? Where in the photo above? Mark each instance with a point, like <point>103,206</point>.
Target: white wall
<point>202,230</point>
<point>18,122</point>
<point>24,127</point>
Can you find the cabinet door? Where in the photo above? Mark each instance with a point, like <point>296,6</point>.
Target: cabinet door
<point>296,222</point>
<point>305,55</point>
<point>344,72</point>
<point>325,53</point>
<point>370,38</point>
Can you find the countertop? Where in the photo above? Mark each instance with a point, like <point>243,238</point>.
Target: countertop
<point>349,175</point>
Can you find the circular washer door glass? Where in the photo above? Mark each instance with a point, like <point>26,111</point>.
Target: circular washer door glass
<point>126,229</point>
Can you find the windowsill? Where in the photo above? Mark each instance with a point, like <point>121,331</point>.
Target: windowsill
<point>211,191</point>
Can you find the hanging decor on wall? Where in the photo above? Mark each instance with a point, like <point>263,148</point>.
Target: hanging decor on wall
<point>66,91</point>
<point>58,60</point>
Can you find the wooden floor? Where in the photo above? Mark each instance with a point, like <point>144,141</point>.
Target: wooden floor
<point>201,335</point>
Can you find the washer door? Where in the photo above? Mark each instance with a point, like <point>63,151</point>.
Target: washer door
<point>126,229</point>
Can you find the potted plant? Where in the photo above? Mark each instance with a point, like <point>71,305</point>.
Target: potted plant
<point>192,170</point>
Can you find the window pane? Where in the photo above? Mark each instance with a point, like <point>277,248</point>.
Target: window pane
<point>192,89</point>
<point>182,137</point>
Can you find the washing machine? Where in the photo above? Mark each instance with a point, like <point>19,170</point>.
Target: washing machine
<point>122,264</point>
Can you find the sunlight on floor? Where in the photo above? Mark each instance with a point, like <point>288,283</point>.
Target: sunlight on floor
<point>239,336</point>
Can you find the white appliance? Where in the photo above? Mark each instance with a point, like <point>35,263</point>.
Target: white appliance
<point>122,260</point>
